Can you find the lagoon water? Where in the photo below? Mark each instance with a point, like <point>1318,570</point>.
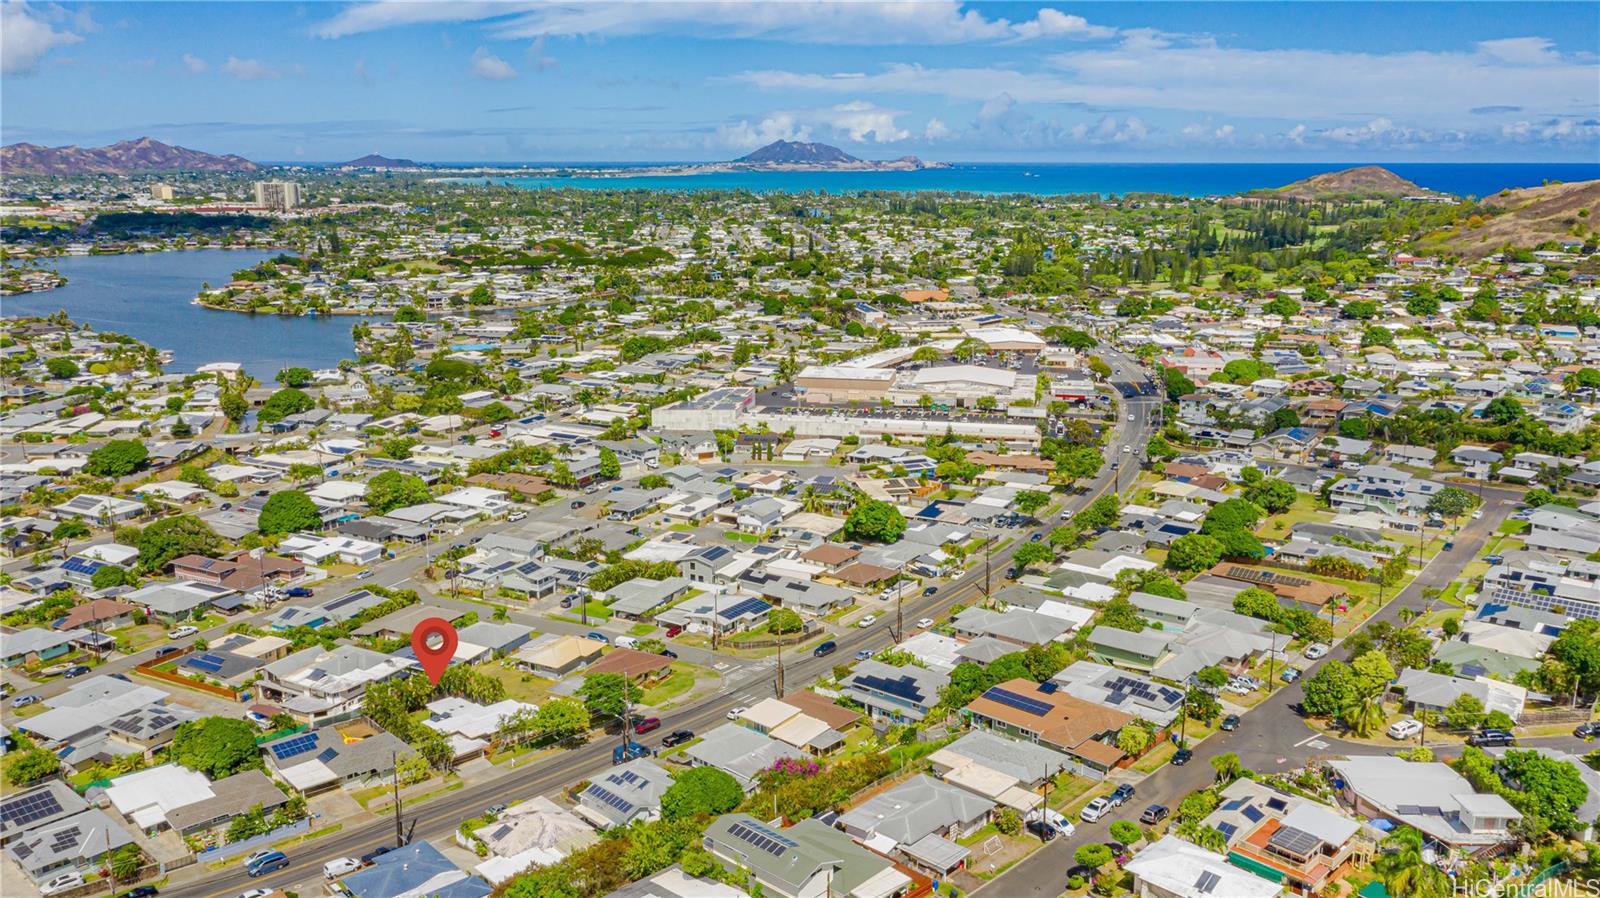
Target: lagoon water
<point>147,295</point>
<point>1183,179</point>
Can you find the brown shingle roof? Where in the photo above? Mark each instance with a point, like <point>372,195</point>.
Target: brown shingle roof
<point>630,663</point>
<point>822,708</point>
<point>1070,723</point>
<point>830,554</point>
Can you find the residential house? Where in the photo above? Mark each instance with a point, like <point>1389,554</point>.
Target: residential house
<point>1174,868</point>
<point>900,818</point>
<point>894,694</point>
<point>1427,796</point>
<point>1286,839</point>
<point>1045,715</point>
<point>808,859</point>
<point>623,794</point>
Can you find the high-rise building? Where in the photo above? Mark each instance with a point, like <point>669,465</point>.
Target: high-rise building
<point>163,192</point>
<point>280,195</point>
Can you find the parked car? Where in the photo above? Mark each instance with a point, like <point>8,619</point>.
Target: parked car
<point>166,650</point>
<point>516,516</point>
<point>924,623</point>
<point>255,893</point>
<point>76,670</point>
<point>646,724</point>
<point>1315,650</point>
<point>1120,795</point>
<point>299,592</point>
<point>930,590</point>
<point>273,861</point>
<point>627,642</point>
<point>1094,810</point>
<point>23,701</point>
<point>825,649</point>
<point>864,654</point>
<point>141,892</point>
<point>1230,723</point>
<point>69,880</point>
<point>1154,814</point>
<point>577,503</point>
<point>183,632</point>
<point>494,810</point>
<point>1181,757</point>
<point>737,712</point>
<point>1043,830</point>
<point>340,866</point>
<point>1290,674</point>
<point>1585,730</point>
<point>624,753</point>
<point>363,573</point>
<point>668,653</point>
<point>867,621</point>
<point>597,636</point>
<point>677,737</point>
<point>674,630</point>
<point>1488,737</point>
<point>1404,729</point>
<point>376,853</point>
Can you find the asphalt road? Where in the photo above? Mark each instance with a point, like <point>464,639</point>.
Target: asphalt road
<point>1270,738</point>
<point>440,816</point>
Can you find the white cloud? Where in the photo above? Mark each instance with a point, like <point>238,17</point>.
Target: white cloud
<point>490,67</point>
<point>935,130</point>
<point>252,69</point>
<point>1553,130</point>
<point>1522,50</point>
<point>797,21</point>
<point>1297,134</point>
<point>857,121</point>
<point>1158,73</point>
<point>25,37</point>
<point>194,63</point>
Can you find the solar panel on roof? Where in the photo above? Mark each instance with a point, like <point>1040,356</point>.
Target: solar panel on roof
<point>28,808</point>
<point>345,600</point>
<point>1020,702</point>
<point>901,687</point>
<point>1207,882</point>
<point>1234,804</point>
<point>747,606</point>
<point>205,662</point>
<point>1276,804</point>
<point>81,565</point>
<point>607,797</point>
<point>1252,813</point>
<point>327,754</point>
<point>1227,829</point>
<point>1295,841</point>
<point>297,745</point>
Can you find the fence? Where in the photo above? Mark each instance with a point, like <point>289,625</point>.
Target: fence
<point>244,846</point>
<point>148,669</point>
<point>1547,716</point>
<point>806,632</point>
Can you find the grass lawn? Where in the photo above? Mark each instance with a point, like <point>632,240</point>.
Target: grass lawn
<point>1303,510</point>
<point>520,685</point>
<point>1508,527</point>
<point>597,612</point>
<point>739,537</point>
<point>641,629</point>
<point>680,681</point>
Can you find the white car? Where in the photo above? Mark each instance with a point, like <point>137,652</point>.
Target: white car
<point>340,866</point>
<point>1477,515</point>
<point>255,893</point>
<point>1094,810</point>
<point>516,516</point>
<point>868,621</point>
<point>925,623</point>
<point>183,632</point>
<point>1238,688</point>
<point>62,883</point>
<point>254,856</point>
<point>1404,729</point>
<point>1315,650</point>
<point>737,712</point>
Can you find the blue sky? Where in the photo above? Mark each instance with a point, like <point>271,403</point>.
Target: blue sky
<point>574,81</point>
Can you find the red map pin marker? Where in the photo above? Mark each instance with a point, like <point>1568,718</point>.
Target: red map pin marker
<point>434,659</point>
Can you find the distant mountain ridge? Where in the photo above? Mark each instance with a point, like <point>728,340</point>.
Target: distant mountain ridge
<point>797,155</point>
<point>1365,180</point>
<point>795,152</point>
<point>124,157</point>
<point>373,160</point>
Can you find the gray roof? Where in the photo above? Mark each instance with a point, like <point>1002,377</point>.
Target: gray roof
<point>232,795</point>
<point>39,806</point>
<point>628,791</point>
<point>807,847</point>
<point>70,840</point>
<point>915,808</point>
<point>1027,761</point>
<point>406,870</point>
<point>740,751</point>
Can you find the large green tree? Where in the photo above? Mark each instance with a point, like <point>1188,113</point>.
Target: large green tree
<point>216,746</point>
<point>287,511</point>
<point>117,458</point>
<point>392,489</point>
<point>876,521</point>
<point>169,538</point>
<point>284,403</point>
<point>701,790</point>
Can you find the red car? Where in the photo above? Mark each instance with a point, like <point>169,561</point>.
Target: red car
<point>645,725</point>
<point>673,630</point>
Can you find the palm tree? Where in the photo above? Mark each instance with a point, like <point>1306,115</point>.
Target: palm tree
<point>1211,839</point>
<point>1227,766</point>
<point>1404,871</point>
<point>1364,715</point>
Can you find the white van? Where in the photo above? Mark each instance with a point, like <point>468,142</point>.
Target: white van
<point>626,642</point>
